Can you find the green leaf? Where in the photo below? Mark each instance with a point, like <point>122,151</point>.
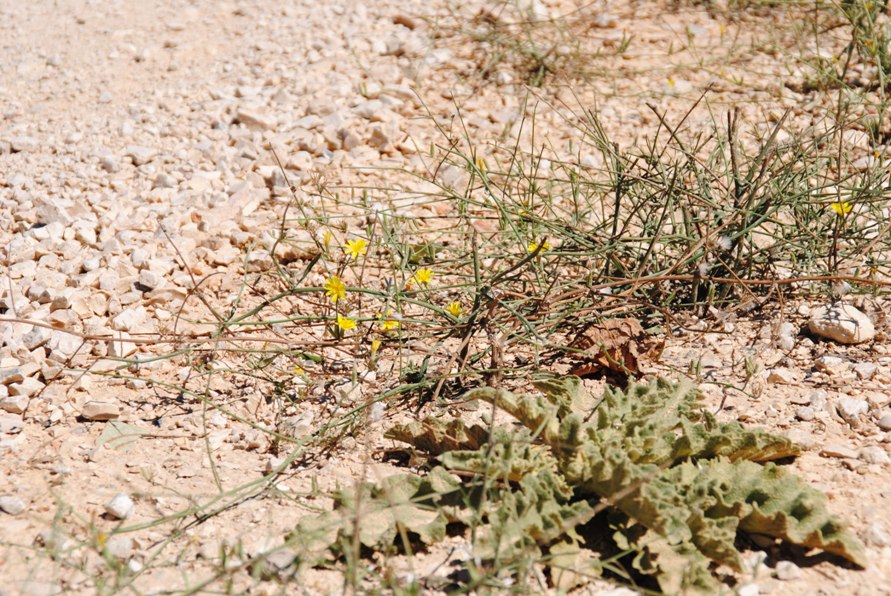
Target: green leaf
<point>572,566</point>
<point>120,435</point>
<point>684,484</point>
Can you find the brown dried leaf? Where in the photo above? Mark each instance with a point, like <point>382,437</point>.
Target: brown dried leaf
<point>615,346</point>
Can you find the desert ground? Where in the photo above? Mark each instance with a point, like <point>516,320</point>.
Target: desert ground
<point>242,240</point>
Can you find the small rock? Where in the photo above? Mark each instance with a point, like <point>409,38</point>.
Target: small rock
<point>839,451</point>
<point>349,140</point>
<point>28,387</point>
<point>818,399</point>
<point>850,408</point>
<point>783,376</point>
<point>36,338</point>
<point>805,413</point>
<point>787,570</point>
<point>164,180</point>
<point>865,370</point>
<point>255,119</point>
<point>100,410</point>
<point>407,21</point>
<point>852,464</point>
<point>874,455</point>
<point>11,424</point>
<point>296,427</point>
<point>129,319</point>
<point>842,323</point>
<point>876,535</point>
<point>884,422</point>
<point>140,154</point>
<point>12,374</point>
<point>120,547</point>
<point>120,347</point>
<point>11,505</point>
<point>15,404</point>
<point>748,590</point>
<point>832,365</point>
<point>121,506</point>
<point>149,279</point>
<point>109,164</point>
<point>23,143</point>
<point>379,139</point>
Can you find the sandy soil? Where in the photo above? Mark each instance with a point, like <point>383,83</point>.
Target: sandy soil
<point>136,164</point>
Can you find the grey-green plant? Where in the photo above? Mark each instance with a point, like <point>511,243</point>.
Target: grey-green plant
<point>676,486</point>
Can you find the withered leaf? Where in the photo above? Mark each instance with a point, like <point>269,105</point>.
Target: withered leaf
<point>615,346</point>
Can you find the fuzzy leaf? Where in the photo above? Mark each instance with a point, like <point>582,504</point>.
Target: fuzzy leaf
<point>437,435</point>
<point>769,500</point>
<point>684,484</point>
<point>572,566</point>
<point>537,413</point>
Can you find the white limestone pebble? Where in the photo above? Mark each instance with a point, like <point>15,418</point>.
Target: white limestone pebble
<point>140,154</point>
<point>36,338</point>
<point>10,424</point>
<point>28,387</point>
<point>100,410</point>
<point>15,404</point>
<point>119,347</point>
<point>121,506</point>
<point>149,279</point>
<point>787,570</point>
<point>884,422</point>
<point>24,143</point>
<point>874,455</point>
<point>805,413</point>
<point>11,505</point>
<point>832,365</point>
<point>782,376</point>
<point>839,451</point>
<point>120,547</point>
<point>841,323</point>
<point>876,535</point>
<point>851,408</point>
<point>865,370</point>
<point>254,118</point>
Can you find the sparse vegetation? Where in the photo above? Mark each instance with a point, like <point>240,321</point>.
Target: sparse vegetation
<point>475,272</point>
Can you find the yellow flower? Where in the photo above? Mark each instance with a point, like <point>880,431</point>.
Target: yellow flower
<point>388,324</point>
<point>375,346</point>
<point>480,164</point>
<point>334,289</point>
<point>298,370</point>
<point>455,309</point>
<point>345,323</point>
<point>355,247</point>
<point>842,207</point>
<point>424,276</point>
<point>326,237</point>
<point>533,246</point>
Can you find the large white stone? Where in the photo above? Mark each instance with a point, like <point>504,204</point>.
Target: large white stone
<point>842,323</point>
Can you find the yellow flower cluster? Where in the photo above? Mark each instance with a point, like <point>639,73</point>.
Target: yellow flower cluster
<point>842,207</point>
<point>335,289</point>
<point>533,246</point>
<point>355,248</point>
